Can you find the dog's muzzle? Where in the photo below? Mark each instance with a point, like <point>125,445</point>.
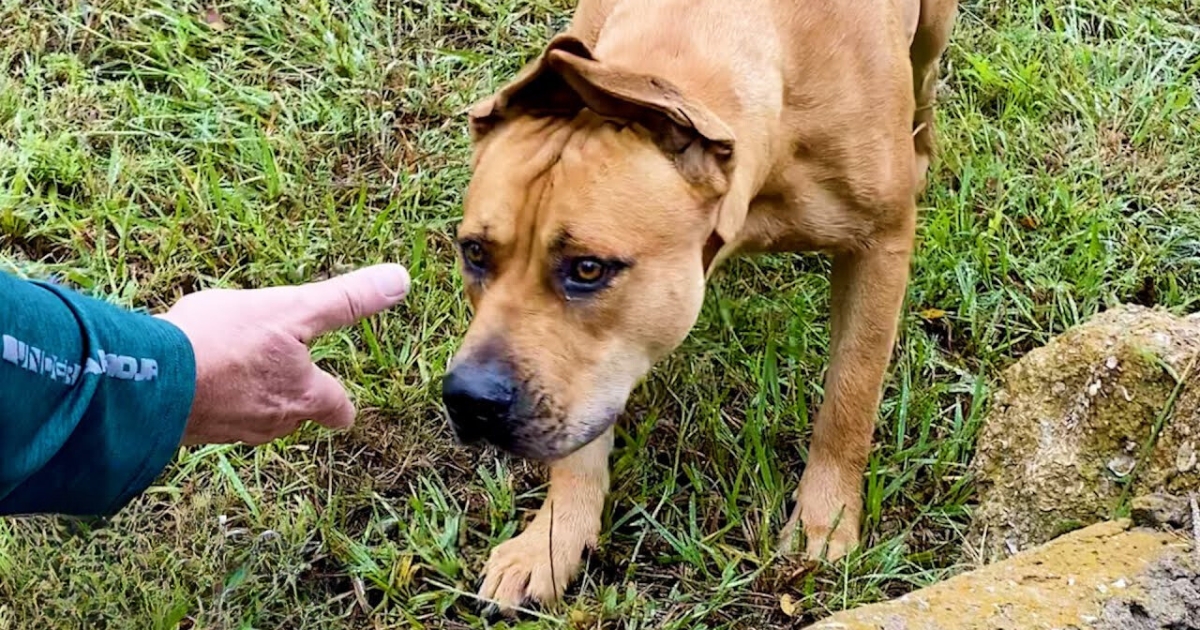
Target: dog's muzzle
<point>480,400</point>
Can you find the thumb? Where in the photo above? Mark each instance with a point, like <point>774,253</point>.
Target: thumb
<point>331,407</point>
<point>342,301</point>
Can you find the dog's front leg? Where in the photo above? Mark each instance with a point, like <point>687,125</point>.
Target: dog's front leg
<point>539,563</point>
<point>867,292</point>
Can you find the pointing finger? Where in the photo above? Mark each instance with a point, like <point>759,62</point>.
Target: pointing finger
<point>340,302</point>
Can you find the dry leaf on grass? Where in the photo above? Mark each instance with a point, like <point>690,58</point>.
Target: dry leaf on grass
<point>788,606</point>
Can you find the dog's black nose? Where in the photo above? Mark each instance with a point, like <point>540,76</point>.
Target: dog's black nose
<point>479,399</point>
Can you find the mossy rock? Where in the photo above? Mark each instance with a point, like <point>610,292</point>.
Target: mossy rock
<point>1106,412</point>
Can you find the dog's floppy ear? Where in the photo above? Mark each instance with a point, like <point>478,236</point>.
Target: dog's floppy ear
<point>536,90</point>
<point>567,78</point>
<point>700,143</point>
<point>618,93</point>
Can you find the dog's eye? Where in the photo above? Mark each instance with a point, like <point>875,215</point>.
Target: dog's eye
<point>474,255</point>
<point>587,270</point>
<point>588,275</point>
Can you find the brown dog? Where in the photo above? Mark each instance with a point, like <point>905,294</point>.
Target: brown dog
<point>646,145</point>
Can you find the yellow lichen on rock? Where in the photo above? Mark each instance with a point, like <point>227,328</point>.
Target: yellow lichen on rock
<point>1062,584</point>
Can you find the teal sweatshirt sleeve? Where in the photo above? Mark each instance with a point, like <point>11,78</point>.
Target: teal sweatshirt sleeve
<point>93,400</point>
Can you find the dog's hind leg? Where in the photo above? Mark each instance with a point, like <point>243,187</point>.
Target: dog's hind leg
<point>539,563</point>
<point>868,288</point>
<point>925,52</point>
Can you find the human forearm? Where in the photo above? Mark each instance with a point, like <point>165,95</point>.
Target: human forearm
<point>93,400</point>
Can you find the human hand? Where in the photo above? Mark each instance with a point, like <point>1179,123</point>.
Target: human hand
<point>255,378</point>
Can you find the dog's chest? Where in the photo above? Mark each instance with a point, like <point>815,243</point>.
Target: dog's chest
<point>804,216</point>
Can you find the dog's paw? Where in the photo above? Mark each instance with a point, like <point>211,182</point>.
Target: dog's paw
<point>528,569</point>
<point>829,523</point>
<point>821,541</point>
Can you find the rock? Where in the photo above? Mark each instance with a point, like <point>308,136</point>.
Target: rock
<point>1091,579</point>
<point>1108,411</point>
<point>1169,599</point>
<point>1160,510</point>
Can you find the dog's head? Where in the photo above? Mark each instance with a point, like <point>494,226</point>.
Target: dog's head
<point>598,199</point>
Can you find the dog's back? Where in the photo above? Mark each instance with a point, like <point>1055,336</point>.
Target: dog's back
<point>792,78</point>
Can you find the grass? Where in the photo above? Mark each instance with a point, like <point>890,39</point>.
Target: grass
<point>149,149</point>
